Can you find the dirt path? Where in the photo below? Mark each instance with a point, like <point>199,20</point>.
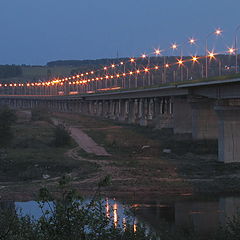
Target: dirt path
<point>84,141</point>
<point>87,143</point>
<point>106,168</point>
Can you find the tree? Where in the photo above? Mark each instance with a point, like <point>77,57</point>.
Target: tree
<point>7,118</point>
<point>61,136</point>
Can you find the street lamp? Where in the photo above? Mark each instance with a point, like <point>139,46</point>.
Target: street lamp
<point>236,49</point>
<point>217,32</point>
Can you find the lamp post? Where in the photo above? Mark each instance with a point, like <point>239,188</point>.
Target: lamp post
<point>157,54</point>
<point>236,49</point>
<point>217,32</point>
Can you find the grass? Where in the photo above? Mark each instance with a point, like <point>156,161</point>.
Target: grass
<point>138,153</point>
<point>33,154</point>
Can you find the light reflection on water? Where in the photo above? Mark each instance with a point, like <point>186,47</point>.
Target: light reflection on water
<point>203,216</point>
<point>114,210</point>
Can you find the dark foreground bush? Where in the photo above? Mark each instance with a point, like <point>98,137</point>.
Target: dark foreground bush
<point>69,218</point>
<point>7,118</point>
<point>61,136</point>
<point>40,114</point>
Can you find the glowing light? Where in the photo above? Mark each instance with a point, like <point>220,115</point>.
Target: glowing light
<point>131,73</point>
<point>194,59</point>
<point>134,226</point>
<point>118,75</point>
<point>124,224</point>
<point>146,70</point>
<point>138,71</point>
<point>157,51</point>
<point>156,67</point>
<point>192,41</point>
<point>113,65</point>
<point>132,60</point>
<point>105,68</point>
<point>115,215</point>
<point>180,62</point>
<point>144,55</point>
<point>107,209</point>
<point>167,65</point>
<point>231,50</point>
<point>211,55</point>
<point>92,72</point>
<point>218,31</point>
<point>121,63</point>
<point>174,46</point>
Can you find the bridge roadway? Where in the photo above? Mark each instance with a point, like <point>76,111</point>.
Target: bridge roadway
<point>207,110</point>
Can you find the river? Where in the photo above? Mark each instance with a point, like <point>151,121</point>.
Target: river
<point>202,215</point>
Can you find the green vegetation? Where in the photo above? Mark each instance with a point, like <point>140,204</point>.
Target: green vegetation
<point>9,71</point>
<point>7,118</point>
<point>61,136</point>
<point>33,154</point>
<point>137,153</point>
<point>40,114</point>
<point>68,218</point>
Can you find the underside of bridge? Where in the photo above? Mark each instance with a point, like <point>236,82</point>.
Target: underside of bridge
<point>210,111</point>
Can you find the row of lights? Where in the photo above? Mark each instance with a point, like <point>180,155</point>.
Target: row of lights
<point>157,52</point>
<point>60,82</point>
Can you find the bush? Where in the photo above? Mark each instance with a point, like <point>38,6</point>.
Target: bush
<point>40,114</point>
<point>61,136</point>
<point>68,218</point>
<point>232,229</point>
<point>7,118</point>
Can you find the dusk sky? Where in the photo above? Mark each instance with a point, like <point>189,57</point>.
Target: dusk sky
<point>35,32</point>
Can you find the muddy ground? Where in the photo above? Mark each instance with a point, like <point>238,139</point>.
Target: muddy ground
<point>144,163</point>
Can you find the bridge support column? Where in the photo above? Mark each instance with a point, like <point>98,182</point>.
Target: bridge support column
<point>123,111</point>
<point>150,111</point>
<point>143,112</point>
<point>105,109</point>
<point>182,116</point>
<point>99,108</point>
<point>229,132</point>
<point>164,119</point>
<point>132,108</point>
<point>204,119</point>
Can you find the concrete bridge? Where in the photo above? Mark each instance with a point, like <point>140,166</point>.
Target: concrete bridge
<point>207,110</point>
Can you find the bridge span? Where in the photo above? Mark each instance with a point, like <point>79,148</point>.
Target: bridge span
<point>207,110</point>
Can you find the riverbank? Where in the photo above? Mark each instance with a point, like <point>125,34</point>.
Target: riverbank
<point>144,164</point>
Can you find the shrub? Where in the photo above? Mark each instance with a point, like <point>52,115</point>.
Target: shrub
<point>61,136</point>
<point>69,218</point>
<point>7,118</point>
<point>40,114</point>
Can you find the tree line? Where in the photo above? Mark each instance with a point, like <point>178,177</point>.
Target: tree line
<point>8,71</point>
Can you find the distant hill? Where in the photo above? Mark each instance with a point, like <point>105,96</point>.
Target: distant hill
<point>9,71</point>
<point>79,63</point>
<point>63,68</point>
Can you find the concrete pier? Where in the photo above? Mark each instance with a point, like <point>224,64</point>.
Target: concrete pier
<point>229,132</point>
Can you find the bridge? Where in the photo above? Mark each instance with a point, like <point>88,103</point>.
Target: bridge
<point>196,95</point>
<point>207,110</point>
